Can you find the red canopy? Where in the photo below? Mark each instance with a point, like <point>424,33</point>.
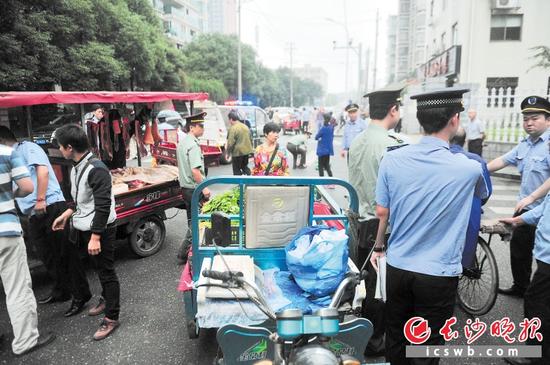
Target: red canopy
<point>22,98</point>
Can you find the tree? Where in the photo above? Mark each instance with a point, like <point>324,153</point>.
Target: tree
<point>118,44</point>
<point>215,88</point>
<point>542,55</point>
<point>214,57</point>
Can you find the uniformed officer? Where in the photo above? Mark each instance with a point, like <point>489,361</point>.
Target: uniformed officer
<point>531,158</point>
<point>365,154</point>
<point>426,192</point>
<point>537,295</point>
<point>353,127</point>
<point>191,169</point>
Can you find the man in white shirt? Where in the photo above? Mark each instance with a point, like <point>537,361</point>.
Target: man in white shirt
<point>475,133</point>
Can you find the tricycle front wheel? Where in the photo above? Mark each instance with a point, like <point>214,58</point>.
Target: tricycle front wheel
<point>148,236</point>
<point>192,329</point>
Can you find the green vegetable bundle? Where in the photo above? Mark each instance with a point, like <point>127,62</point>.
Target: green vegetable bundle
<point>227,202</point>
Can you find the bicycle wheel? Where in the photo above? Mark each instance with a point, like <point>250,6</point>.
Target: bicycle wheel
<point>478,286</point>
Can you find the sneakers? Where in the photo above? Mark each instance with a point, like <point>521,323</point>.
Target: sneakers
<point>98,309</point>
<point>107,327</point>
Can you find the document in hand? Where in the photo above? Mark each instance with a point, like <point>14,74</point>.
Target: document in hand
<point>380,292</point>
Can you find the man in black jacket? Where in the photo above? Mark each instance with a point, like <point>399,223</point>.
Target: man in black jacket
<point>92,223</point>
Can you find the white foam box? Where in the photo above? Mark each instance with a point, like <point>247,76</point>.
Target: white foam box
<point>242,263</point>
<point>274,214</point>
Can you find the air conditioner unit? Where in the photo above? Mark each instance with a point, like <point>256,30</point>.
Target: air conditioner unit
<point>506,4</point>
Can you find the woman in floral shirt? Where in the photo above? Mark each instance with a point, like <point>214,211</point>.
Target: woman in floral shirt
<point>263,154</point>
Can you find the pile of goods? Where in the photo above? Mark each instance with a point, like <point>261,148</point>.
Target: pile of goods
<point>132,178</point>
<point>227,202</point>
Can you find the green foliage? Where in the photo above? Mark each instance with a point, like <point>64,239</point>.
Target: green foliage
<point>214,57</point>
<point>227,202</point>
<point>85,45</point>
<point>542,56</point>
<point>215,88</point>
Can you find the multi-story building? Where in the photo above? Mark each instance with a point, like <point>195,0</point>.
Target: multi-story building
<point>316,74</point>
<point>409,30</point>
<point>182,19</point>
<point>392,47</point>
<point>222,16</point>
<point>486,46</point>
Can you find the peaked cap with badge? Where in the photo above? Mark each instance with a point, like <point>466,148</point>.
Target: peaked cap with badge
<point>535,104</point>
<point>195,118</point>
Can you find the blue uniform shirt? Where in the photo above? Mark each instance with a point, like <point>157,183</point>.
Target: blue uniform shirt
<point>34,155</point>
<point>540,216</point>
<point>429,192</point>
<point>531,159</point>
<point>475,214</point>
<point>351,130</point>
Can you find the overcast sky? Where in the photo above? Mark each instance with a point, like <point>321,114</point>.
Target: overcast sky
<point>306,23</point>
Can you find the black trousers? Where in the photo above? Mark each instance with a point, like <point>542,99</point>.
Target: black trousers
<point>104,265</point>
<point>521,254</point>
<point>537,304</point>
<point>475,146</point>
<point>305,126</point>
<point>240,165</point>
<point>51,247</point>
<point>412,294</point>
<point>324,164</point>
<point>183,250</point>
<point>373,309</point>
<point>295,151</point>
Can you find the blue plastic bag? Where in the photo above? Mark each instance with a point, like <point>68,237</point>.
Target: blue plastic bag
<point>317,257</point>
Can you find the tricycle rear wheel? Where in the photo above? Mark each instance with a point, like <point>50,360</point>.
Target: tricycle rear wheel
<point>148,236</point>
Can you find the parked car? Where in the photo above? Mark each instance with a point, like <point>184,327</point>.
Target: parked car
<point>215,129</point>
<point>287,118</point>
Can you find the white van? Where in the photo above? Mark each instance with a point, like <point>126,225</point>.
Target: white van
<point>215,129</point>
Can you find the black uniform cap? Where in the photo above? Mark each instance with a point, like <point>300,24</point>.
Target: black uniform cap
<point>352,107</point>
<point>385,96</point>
<point>195,118</point>
<point>445,98</point>
<point>535,104</point>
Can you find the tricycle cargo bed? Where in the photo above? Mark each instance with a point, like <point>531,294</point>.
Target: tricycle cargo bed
<point>137,203</point>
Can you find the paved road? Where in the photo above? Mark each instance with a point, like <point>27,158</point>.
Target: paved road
<point>153,331</point>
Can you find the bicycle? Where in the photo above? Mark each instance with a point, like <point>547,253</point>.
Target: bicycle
<point>478,285</point>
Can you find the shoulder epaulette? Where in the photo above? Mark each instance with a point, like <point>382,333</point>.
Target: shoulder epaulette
<point>391,148</point>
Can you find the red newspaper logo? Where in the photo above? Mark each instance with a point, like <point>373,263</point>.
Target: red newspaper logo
<point>529,329</point>
<point>474,330</point>
<point>503,328</point>
<point>447,332</point>
<point>416,330</point>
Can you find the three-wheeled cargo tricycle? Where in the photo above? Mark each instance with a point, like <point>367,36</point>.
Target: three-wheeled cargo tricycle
<point>140,211</point>
<point>271,211</point>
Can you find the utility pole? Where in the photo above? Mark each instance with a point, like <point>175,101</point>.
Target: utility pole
<point>375,50</point>
<point>367,71</point>
<point>291,50</point>
<point>239,55</point>
<point>359,71</point>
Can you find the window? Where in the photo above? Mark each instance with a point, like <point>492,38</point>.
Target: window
<point>454,34</point>
<point>501,91</point>
<point>506,27</point>
<point>432,8</point>
<point>443,41</point>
